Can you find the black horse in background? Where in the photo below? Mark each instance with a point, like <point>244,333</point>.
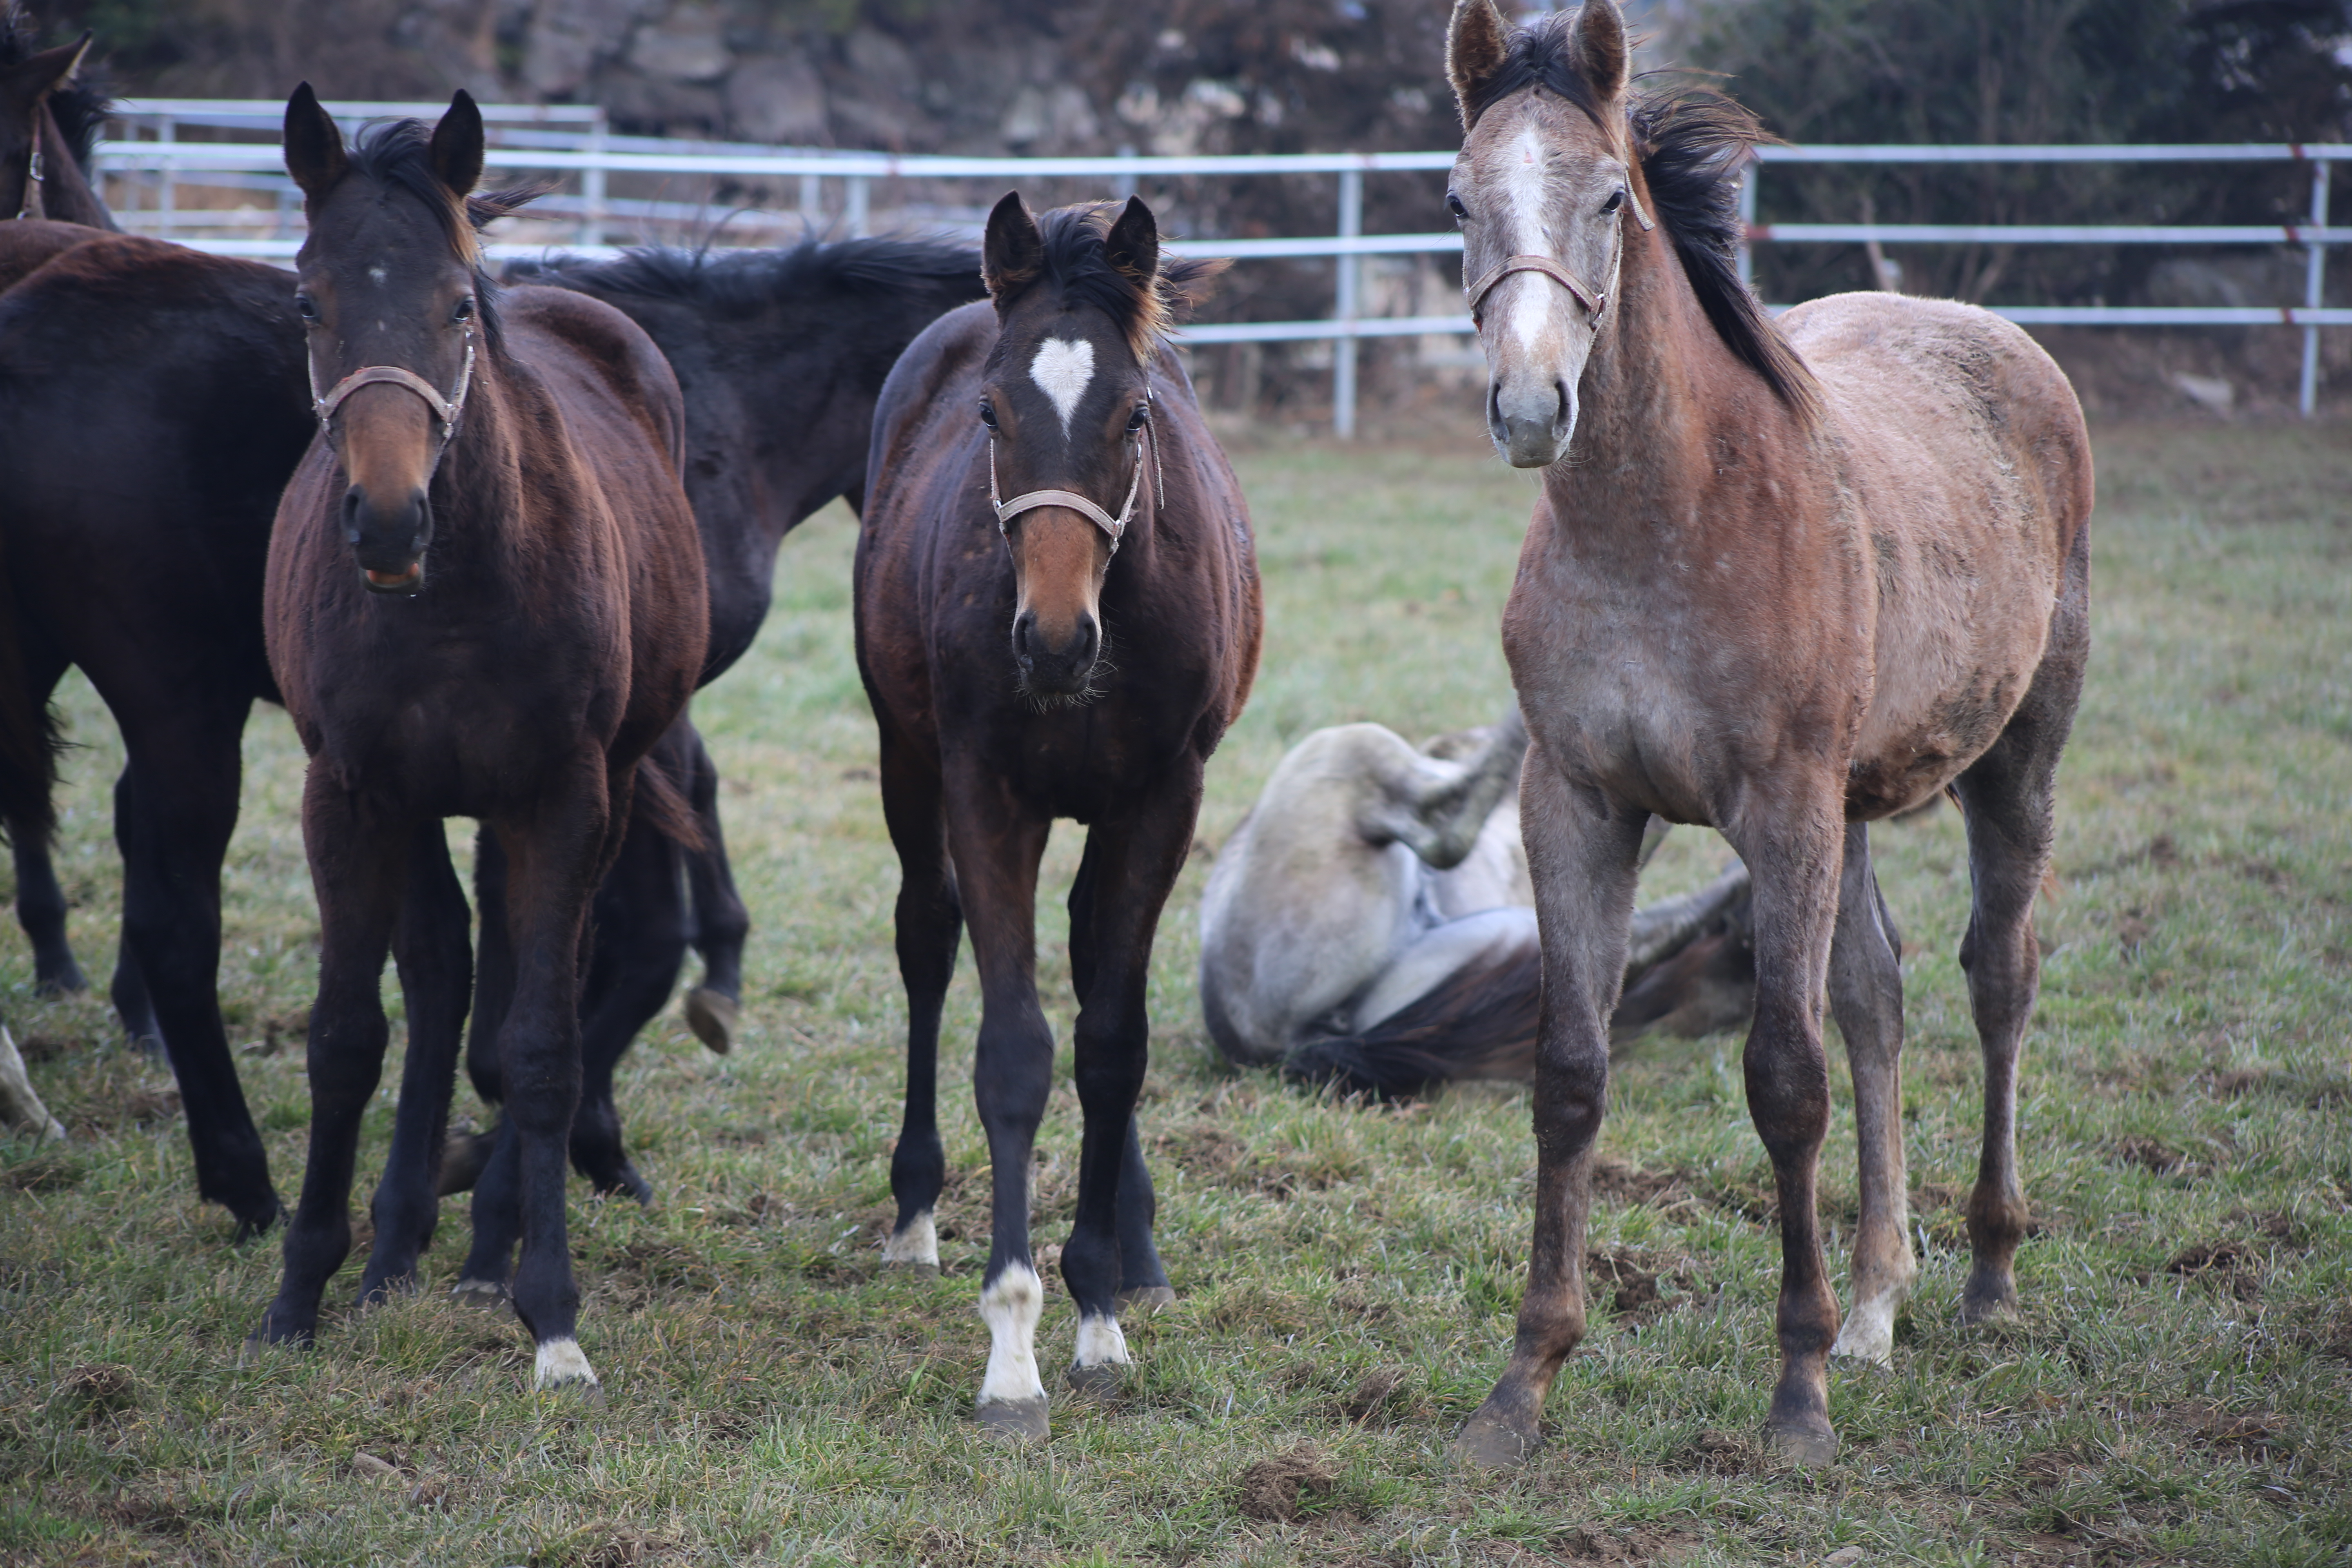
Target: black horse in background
<point>180,378</point>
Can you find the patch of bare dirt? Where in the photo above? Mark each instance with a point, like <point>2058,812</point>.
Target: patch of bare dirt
<point>2231,1266</point>
<point>2152,1154</point>
<point>1203,1149</point>
<point>37,1048</point>
<point>1283,1488</point>
<point>1628,1278</point>
<point>2254,1433</point>
<point>607,1543</point>
<point>1722,1453</point>
<point>1618,1182</point>
<point>1386,1395</point>
<point>97,1389</point>
<point>1639,1544</point>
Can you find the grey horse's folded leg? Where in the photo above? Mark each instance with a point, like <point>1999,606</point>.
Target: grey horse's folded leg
<point>20,1107</point>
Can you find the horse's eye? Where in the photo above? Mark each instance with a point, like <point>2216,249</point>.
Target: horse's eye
<point>1616,199</point>
<point>988,412</point>
<point>464,311</point>
<point>1140,419</point>
<point>1454,205</point>
<point>305,307</point>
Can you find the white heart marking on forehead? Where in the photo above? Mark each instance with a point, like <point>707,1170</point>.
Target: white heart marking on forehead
<point>1063,370</point>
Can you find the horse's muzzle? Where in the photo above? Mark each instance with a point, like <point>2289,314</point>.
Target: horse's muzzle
<point>1053,670</point>
<point>388,540</point>
<point>1530,421</point>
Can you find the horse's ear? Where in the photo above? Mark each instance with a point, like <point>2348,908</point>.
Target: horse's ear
<point>1477,45</point>
<point>1014,252</point>
<point>457,150</point>
<point>35,76</point>
<point>314,144</point>
<point>1133,246</point>
<point>1601,51</point>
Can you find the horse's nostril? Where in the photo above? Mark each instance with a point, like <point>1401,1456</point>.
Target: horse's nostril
<point>1560,387</point>
<point>353,501</point>
<point>1023,624</point>
<point>1082,647</point>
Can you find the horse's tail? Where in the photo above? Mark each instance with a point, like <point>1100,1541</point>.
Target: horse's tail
<point>1480,1022</point>
<point>661,803</point>
<point>28,736</point>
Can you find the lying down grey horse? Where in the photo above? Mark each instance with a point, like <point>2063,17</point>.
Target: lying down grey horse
<point>1372,920</point>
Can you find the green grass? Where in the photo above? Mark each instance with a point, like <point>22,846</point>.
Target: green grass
<point>2176,1388</point>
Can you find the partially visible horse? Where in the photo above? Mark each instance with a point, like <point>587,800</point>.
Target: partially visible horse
<point>485,599</point>
<point>1058,616</point>
<point>1370,923</point>
<point>50,123</point>
<point>1785,580</point>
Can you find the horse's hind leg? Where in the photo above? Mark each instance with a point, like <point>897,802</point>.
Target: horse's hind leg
<point>1581,853</point>
<point>2008,797</point>
<point>41,902</point>
<point>357,861</point>
<point>640,945</point>
<point>1123,881</point>
<point>435,952</point>
<point>930,926</point>
<point>720,922</point>
<point>1866,999</point>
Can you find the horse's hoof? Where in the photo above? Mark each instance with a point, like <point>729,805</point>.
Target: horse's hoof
<point>1096,1382</point>
<point>1487,1443</point>
<point>253,1226</point>
<point>1015,1420</point>
<point>1804,1442</point>
<point>488,1295</point>
<point>1988,1298</point>
<point>712,1015</point>
<point>1147,1297</point>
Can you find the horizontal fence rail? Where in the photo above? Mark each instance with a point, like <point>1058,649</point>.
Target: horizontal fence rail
<point>573,140</point>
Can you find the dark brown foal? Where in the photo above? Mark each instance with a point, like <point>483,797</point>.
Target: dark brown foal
<point>485,599</point>
<point>982,636</point>
<point>1786,581</point>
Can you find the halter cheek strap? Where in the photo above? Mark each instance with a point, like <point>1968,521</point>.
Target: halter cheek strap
<point>1006,510</point>
<point>445,409</point>
<point>1595,301</point>
<point>34,207</point>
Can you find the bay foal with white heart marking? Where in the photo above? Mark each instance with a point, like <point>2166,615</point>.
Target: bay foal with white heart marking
<point>1786,581</point>
<point>1037,647</point>
<point>525,447</point>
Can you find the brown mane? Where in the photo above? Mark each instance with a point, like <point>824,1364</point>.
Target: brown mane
<point>1077,263</point>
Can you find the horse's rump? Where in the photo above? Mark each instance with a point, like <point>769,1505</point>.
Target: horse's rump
<point>1962,448</point>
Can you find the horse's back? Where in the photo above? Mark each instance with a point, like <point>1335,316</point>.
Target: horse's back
<point>1963,454</point>
<point>609,367</point>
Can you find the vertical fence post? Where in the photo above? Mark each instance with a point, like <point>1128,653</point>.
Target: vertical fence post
<point>592,187</point>
<point>167,200</point>
<point>1343,353</point>
<point>1125,187</point>
<point>854,215</point>
<point>813,204</point>
<point>2314,294</point>
<point>1747,220</point>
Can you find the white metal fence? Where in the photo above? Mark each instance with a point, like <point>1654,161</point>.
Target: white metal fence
<point>249,208</point>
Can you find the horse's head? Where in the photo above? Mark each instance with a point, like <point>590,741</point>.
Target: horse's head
<point>25,84</point>
<point>393,293</point>
<point>1066,398</point>
<point>1542,190</point>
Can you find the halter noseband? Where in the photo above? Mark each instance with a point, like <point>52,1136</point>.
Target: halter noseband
<point>1006,510</point>
<point>445,409</point>
<point>1595,303</point>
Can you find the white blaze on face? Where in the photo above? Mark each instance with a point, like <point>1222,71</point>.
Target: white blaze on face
<point>1063,370</point>
<point>1524,196</point>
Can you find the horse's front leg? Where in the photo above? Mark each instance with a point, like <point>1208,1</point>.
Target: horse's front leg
<point>996,843</point>
<point>433,948</point>
<point>1795,855</point>
<point>358,859</point>
<point>1582,850</point>
<point>1123,881</point>
<point>554,857</point>
<point>1866,999</point>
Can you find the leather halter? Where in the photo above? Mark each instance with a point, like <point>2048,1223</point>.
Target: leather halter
<point>445,409</point>
<point>1006,510</point>
<point>34,207</point>
<point>1595,301</point>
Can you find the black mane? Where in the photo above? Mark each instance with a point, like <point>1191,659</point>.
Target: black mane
<point>744,282</point>
<point>1077,266</point>
<point>1692,146</point>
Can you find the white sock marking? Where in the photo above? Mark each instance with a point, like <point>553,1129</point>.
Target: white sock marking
<point>918,1243</point>
<point>20,1106</point>
<point>1011,1308</point>
<point>561,1361</point>
<point>1100,1343</point>
<point>1063,370</point>
<point>1868,1333</point>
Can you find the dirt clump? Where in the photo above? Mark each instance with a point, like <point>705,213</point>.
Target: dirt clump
<point>1283,1488</point>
